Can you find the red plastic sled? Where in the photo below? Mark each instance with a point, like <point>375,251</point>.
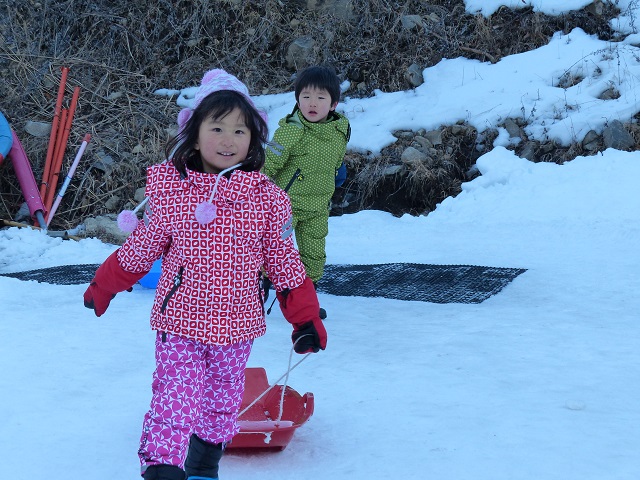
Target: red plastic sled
<point>259,425</point>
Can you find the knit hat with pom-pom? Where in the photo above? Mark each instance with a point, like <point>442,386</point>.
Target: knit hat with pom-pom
<point>214,81</point>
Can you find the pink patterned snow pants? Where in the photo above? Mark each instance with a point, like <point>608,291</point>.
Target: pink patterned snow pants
<point>197,388</point>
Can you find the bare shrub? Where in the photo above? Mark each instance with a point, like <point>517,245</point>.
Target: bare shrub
<point>119,52</point>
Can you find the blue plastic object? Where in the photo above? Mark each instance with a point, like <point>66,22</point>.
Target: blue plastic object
<point>6,138</point>
<point>150,280</point>
<point>341,175</point>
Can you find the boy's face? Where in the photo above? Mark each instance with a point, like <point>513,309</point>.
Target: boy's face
<point>315,104</point>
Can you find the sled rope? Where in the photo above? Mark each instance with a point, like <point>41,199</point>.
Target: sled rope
<point>284,387</point>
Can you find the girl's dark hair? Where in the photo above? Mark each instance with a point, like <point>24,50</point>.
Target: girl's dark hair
<point>318,77</point>
<point>216,105</point>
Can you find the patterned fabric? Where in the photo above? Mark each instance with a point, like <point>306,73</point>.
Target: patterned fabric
<point>311,230</point>
<point>209,286</point>
<point>197,389</point>
<point>315,151</point>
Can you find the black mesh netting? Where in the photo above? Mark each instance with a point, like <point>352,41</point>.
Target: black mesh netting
<point>417,281</point>
<point>62,275</point>
<point>401,281</point>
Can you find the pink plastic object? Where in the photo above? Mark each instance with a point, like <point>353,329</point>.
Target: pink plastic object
<point>28,185</point>
<point>259,425</point>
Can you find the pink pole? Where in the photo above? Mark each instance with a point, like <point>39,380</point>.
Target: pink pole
<point>28,185</point>
<point>67,180</point>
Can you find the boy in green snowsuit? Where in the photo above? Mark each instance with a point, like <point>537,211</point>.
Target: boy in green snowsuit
<point>308,152</point>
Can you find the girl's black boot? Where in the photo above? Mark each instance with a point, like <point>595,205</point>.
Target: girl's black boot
<point>163,472</point>
<point>203,459</point>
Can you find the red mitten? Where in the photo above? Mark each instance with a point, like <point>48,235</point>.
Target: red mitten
<point>301,308</point>
<point>109,279</point>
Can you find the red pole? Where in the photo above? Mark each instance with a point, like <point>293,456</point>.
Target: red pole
<point>54,132</point>
<point>63,118</point>
<point>60,149</point>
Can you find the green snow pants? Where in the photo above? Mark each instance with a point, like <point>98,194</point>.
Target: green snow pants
<point>311,229</point>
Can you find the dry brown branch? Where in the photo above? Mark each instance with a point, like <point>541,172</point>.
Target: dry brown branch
<point>475,51</point>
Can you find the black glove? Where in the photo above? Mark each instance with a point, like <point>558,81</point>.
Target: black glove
<point>306,337</point>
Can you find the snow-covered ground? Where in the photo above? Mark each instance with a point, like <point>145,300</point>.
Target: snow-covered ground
<point>538,382</point>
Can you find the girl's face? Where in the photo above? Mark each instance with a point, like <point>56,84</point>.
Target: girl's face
<point>315,104</point>
<point>223,142</point>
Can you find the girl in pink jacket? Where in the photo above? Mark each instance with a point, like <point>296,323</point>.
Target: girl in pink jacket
<point>216,221</point>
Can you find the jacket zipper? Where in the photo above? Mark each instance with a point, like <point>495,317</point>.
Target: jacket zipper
<point>293,179</point>
<point>177,281</point>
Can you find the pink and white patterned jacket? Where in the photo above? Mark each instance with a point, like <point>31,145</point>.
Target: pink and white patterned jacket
<point>209,287</point>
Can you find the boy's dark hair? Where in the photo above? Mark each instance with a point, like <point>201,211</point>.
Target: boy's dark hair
<point>216,105</point>
<point>318,77</point>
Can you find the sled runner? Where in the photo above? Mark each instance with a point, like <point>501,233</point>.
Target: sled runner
<point>262,424</point>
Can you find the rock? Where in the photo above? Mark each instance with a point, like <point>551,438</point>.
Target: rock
<point>547,147</point>
<point>112,203</point>
<point>414,76</point>
<point>105,227</point>
<point>512,128</point>
<point>403,134</point>
<point>23,215</point>
<point>409,22</point>
<point>104,162</point>
<point>616,136</point>
<point>459,130</point>
<point>139,195</point>
<point>300,53</point>
<point>340,8</point>
<point>425,143</point>
<point>391,170</point>
<point>38,129</point>
<point>595,8</point>
<point>529,151</point>
<point>591,141</point>
<point>413,156</point>
<point>434,136</point>
<point>433,17</point>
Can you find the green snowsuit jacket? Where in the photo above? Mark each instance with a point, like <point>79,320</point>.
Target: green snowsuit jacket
<point>315,151</point>
<point>303,160</point>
